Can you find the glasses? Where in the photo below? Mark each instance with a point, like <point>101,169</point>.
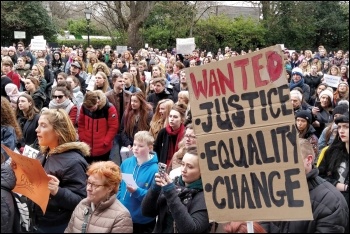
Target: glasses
<point>58,96</point>
<point>94,186</point>
<point>190,137</point>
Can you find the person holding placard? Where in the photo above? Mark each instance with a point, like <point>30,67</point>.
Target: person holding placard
<point>179,204</point>
<point>63,161</point>
<point>142,167</point>
<point>329,208</point>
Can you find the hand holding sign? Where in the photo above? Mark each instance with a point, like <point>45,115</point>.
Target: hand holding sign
<point>32,180</point>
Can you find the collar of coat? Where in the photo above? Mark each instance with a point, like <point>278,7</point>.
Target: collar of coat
<point>81,146</point>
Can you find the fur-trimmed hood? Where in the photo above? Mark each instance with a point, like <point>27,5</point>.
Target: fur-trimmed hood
<point>82,146</point>
<point>103,98</point>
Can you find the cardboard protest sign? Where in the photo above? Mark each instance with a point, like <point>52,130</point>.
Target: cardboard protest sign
<point>250,163</point>
<point>332,81</point>
<point>32,180</point>
<point>185,45</point>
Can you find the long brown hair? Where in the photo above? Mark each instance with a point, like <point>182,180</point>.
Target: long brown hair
<point>130,115</point>
<point>8,117</point>
<point>32,109</point>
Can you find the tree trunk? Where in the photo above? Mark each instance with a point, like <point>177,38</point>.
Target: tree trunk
<point>134,38</point>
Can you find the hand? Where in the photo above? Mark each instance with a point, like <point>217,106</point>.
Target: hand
<point>163,179</point>
<point>53,184</point>
<point>316,124</point>
<point>13,165</point>
<point>315,110</point>
<point>130,189</point>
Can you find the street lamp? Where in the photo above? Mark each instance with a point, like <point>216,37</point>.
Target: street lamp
<point>88,18</point>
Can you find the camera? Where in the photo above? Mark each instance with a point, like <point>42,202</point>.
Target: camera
<point>161,169</point>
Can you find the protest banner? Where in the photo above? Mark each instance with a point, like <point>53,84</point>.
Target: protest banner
<point>121,49</point>
<point>32,180</point>
<point>332,81</point>
<point>185,45</point>
<point>250,162</point>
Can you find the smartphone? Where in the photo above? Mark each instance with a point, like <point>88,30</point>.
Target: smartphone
<point>318,104</point>
<point>161,168</point>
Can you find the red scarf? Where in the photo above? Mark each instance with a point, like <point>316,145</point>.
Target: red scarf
<point>171,147</point>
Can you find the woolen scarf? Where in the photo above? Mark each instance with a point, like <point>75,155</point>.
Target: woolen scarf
<point>173,148</point>
<point>66,105</point>
<point>300,84</point>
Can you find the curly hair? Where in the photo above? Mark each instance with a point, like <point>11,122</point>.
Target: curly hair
<point>8,117</point>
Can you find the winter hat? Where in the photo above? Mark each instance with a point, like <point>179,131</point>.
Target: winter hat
<point>297,71</point>
<point>305,114</point>
<point>344,83</point>
<point>341,108</point>
<point>328,93</point>
<point>12,48</point>
<point>343,118</point>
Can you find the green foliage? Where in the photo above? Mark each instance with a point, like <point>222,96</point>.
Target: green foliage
<point>308,24</point>
<point>28,16</point>
<point>220,31</point>
<point>94,42</point>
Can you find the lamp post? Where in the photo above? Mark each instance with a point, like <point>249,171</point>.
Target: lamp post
<point>88,18</point>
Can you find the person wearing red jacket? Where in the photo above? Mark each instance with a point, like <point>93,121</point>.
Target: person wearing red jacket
<point>97,125</point>
<point>6,69</point>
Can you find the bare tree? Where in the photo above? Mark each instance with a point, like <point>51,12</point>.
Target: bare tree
<point>127,16</point>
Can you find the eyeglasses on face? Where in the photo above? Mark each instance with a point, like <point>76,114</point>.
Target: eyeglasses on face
<point>58,96</point>
<point>93,186</point>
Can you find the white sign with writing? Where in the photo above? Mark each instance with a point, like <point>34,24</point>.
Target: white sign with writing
<point>121,49</point>
<point>20,35</point>
<point>185,45</point>
<point>38,44</point>
<point>332,81</point>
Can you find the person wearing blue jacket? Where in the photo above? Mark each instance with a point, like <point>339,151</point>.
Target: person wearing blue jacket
<point>142,166</point>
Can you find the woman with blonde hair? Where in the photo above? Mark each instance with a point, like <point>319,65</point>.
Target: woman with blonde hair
<point>11,132</point>
<point>134,70</point>
<point>160,117</point>
<point>101,211</point>
<point>305,67</point>
<point>38,71</point>
<point>101,82</point>
<point>128,58</point>
<point>308,56</point>
<point>334,71</point>
<point>67,185</point>
<point>91,61</point>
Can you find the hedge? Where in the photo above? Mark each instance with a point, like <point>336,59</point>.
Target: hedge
<point>96,43</point>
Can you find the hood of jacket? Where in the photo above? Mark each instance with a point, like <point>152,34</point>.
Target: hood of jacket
<point>81,146</point>
<point>8,177</point>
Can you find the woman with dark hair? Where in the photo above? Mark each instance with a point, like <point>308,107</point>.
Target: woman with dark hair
<point>334,167</point>
<point>322,112</point>
<point>121,65</point>
<point>136,117</point>
<point>33,89</point>
<point>318,90</point>
<point>168,139</point>
<point>27,117</point>
<point>304,128</point>
<point>294,62</point>
<point>57,64</point>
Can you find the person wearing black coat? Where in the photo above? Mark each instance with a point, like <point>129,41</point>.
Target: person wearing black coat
<point>8,182</point>
<point>329,208</point>
<point>160,92</point>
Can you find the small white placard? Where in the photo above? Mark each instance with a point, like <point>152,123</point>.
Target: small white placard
<point>185,45</point>
<point>332,81</point>
<point>30,152</point>
<point>38,44</point>
<point>20,34</point>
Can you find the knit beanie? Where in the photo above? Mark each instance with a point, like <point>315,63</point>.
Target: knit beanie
<point>297,71</point>
<point>305,114</point>
<point>12,48</point>
<point>328,93</point>
<point>341,108</point>
<point>343,118</point>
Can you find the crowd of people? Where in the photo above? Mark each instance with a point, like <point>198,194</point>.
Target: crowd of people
<point>79,107</point>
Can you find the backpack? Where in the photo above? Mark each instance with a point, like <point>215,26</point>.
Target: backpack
<point>22,221</point>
